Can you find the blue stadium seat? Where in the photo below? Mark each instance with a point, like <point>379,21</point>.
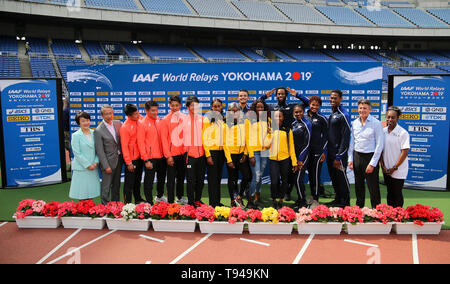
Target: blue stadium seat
<point>113,4</point>
<point>8,45</point>
<point>344,16</point>
<point>65,48</point>
<point>38,46</point>
<point>211,53</point>
<point>307,54</point>
<point>441,13</point>
<point>9,67</point>
<point>422,70</point>
<point>384,17</point>
<point>261,11</point>
<point>303,14</point>
<point>131,50</point>
<point>348,55</point>
<point>94,49</point>
<point>163,52</point>
<point>171,7</point>
<point>42,67</point>
<point>214,8</point>
<point>421,18</point>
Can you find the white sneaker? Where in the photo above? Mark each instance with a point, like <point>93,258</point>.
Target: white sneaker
<point>313,204</point>
<point>182,201</point>
<point>160,199</point>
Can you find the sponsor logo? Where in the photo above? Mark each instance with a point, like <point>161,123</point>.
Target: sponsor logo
<point>18,118</point>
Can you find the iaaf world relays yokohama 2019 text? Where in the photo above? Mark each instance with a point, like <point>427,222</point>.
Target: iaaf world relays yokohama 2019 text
<point>225,76</point>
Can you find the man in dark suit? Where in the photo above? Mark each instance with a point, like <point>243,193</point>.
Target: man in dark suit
<point>107,146</point>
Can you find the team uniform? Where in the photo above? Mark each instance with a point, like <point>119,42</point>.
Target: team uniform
<point>195,157</point>
<point>131,155</point>
<point>318,146</point>
<point>149,142</point>
<point>172,143</point>
<point>301,130</point>
<point>213,133</point>
<point>234,148</point>
<point>282,158</point>
<point>337,149</point>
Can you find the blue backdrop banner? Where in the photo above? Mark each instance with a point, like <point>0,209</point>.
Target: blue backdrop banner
<point>31,132</point>
<point>90,87</point>
<point>424,101</point>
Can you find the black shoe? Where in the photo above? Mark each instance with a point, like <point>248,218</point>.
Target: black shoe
<point>259,204</point>
<point>287,197</point>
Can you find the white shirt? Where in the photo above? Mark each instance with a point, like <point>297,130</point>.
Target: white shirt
<point>394,143</point>
<point>367,138</point>
<point>111,129</point>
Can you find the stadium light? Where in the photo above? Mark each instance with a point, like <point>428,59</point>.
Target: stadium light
<point>78,41</point>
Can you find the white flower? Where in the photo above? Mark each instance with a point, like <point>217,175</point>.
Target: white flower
<point>128,211</point>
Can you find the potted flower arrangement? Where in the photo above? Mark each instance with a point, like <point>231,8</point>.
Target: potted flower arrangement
<point>37,214</point>
<point>221,220</point>
<point>368,221</point>
<point>419,219</point>
<point>271,221</point>
<point>320,220</point>
<point>131,217</point>
<point>173,217</point>
<point>83,214</point>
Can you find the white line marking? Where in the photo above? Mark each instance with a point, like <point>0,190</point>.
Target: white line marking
<point>415,249</point>
<point>58,247</point>
<point>255,242</point>
<point>361,243</point>
<point>152,239</point>
<point>83,246</point>
<point>191,249</point>
<point>3,224</point>
<point>148,262</point>
<point>303,250</point>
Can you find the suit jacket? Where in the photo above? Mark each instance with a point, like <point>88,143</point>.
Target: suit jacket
<point>107,148</point>
<point>83,151</point>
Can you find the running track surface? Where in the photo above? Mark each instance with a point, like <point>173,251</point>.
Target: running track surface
<point>150,247</point>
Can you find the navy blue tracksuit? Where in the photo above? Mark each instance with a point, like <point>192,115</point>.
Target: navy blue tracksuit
<point>301,129</point>
<point>337,149</point>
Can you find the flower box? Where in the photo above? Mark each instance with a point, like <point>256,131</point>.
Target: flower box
<point>368,228</point>
<point>83,223</point>
<point>319,228</point>
<point>428,228</point>
<point>130,225</point>
<point>221,227</point>
<point>270,228</point>
<point>174,225</point>
<point>38,222</point>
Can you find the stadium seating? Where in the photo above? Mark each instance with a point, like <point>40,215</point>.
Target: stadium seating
<point>384,18</point>
<point>303,14</point>
<point>210,53</point>
<point>9,67</point>
<point>63,63</point>
<point>252,53</point>
<point>344,16</point>
<point>443,14</point>
<point>387,70</point>
<point>65,48</point>
<point>42,67</point>
<point>175,7</point>
<point>8,45</point>
<point>214,8</point>
<point>113,4</point>
<point>94,49</point>
<point>421,70</point>
<point>426,56</point>
<point>420,18</point>
<point>348,55</point>
<point>307,54</point>
<point>131,50</point>
<point>38,46</point>
<point>163,52</point>
<point>261,11</point>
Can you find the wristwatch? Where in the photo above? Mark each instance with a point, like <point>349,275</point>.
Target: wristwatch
<point>395,167</point>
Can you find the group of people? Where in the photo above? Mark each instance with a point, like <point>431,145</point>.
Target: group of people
<point>291,138</point>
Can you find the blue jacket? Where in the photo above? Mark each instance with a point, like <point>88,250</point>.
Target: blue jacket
<point>83,151</point>
<point>301,130</point>
<point>339,130</point>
